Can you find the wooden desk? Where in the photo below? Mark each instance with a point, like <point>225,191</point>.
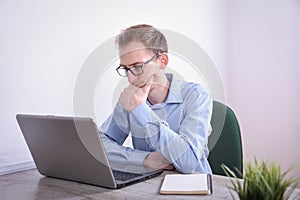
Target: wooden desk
<point>31,185</point>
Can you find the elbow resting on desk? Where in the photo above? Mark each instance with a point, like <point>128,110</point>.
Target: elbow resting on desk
<point>186,167</point>
<point>186,156</point>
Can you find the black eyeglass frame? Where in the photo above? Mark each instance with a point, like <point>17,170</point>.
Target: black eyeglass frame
<point>135,67</point>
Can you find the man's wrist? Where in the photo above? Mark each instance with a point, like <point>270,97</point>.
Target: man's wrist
<point>141,114</point>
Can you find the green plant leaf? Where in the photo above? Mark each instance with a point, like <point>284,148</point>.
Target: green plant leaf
<point>261,180</point>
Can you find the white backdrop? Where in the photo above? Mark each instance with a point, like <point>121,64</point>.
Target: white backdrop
<point>263,78</point>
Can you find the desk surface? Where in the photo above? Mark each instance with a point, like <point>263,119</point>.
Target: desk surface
<point>31,185</point>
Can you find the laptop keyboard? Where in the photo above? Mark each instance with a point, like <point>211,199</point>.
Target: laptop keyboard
<point>124,176</point>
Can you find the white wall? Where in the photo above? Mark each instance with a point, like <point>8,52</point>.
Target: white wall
<point>263,77</point>
<point>44,44</point>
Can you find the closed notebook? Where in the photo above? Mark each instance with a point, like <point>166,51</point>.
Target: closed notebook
<point>186,184</point>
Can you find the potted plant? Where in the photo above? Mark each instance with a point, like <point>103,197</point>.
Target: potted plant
<point>261,181</point>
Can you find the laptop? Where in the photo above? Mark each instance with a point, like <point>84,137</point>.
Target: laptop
<point>70,148</point>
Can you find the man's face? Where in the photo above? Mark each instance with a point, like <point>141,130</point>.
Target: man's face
<point>134,54</point>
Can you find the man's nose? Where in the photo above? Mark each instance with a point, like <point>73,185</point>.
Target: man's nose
<point>130,76</point>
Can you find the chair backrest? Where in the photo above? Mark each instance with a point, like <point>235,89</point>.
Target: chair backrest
<point>225,142</point>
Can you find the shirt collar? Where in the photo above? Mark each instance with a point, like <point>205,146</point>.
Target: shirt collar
<point>174,95</point>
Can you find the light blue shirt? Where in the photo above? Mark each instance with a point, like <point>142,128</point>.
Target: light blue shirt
<point>178,128</point>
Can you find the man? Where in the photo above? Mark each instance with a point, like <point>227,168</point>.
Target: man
<point>169,120</point>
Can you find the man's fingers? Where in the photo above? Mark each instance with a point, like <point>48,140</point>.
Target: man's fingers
<point>133,96</point>
<point>169,167</point>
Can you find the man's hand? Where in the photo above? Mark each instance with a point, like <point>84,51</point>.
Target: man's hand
<point>133,96</point>
<point>157,161</point>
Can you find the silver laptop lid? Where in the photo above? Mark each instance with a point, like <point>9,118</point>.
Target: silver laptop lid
<point>60,153</point>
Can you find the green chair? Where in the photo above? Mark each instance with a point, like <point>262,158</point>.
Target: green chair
<point>225,142</point>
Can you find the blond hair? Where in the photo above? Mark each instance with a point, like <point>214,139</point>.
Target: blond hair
<point>150,37</point>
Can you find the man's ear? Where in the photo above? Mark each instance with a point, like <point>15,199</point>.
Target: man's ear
<point>163,61</point>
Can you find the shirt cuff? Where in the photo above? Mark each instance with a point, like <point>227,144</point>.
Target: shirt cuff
<point>142,114</point>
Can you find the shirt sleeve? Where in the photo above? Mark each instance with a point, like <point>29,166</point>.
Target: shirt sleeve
<point>187,149</point>
<point>113,133</point>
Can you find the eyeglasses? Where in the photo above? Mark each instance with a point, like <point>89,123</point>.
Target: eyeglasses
<point>135,70</point>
